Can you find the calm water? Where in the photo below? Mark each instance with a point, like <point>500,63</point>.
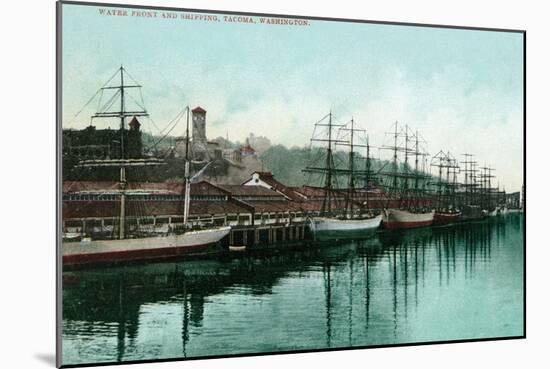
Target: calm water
<point>447,283</point>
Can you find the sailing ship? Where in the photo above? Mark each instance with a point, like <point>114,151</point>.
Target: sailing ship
<point>446,210</point>
<point>410,207</point>
<point>471,192</point>
<point>343,210</point>
<point>487,194</point>
<point>82,248</point>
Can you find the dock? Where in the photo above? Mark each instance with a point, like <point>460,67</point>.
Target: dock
<point>265,235</point>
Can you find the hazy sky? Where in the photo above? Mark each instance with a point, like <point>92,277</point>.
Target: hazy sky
<point>461,89</point>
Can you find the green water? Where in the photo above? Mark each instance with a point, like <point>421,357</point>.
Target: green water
<point>442,283</point>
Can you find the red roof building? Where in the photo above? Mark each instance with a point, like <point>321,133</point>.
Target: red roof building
<point>83,199</point>
<point>198,109</point>
<point>247,150</point>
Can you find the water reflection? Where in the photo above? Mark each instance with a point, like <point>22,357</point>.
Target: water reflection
<point>396,287</point>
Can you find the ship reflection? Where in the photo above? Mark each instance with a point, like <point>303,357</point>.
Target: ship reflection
<point>356,274</point>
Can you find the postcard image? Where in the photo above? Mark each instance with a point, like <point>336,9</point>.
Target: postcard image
<point>241,184</point>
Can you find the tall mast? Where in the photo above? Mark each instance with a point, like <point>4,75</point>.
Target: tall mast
<point>367,165</point>
<point>351,171</point>
<point>122,115</point>
<point>455,171</point>
<point>416,154</point>
<point>483,189</point>
<point>440,182</point>
<point>448,171</point>
<point>328,169</point>
<point>474,181</point>
<point>487,189</point>
<point>367,174</point>
<point>406,167</point>
<point>351,182</point>
<point>451,179</point>
<point>469,177</point>
<point>401,189</point>
<point>395,159</point>
<point>187,197</point>
<point>328,181</point>
<point>394,193</point>
<point>123,161</point>
<point>122,230</point>
<point>439,161</point>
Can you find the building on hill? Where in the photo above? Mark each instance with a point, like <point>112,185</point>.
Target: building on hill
<point>247,150</point>
<point>93,143</point>
<point>200,148</point>
<point>232,155</point>
<point>259,143</point>
<point>228,165</point>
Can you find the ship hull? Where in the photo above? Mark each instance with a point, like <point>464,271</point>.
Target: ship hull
<point>105,251</point>
<point>331,228</point>
<point>401,219</point>
<point>445,218</point>
<point>333,224</point>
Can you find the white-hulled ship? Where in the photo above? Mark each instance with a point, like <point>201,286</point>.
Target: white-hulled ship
<point>82,249</point>
<point>159,247</point>
<point>326,224</point>
<point>354,217</point>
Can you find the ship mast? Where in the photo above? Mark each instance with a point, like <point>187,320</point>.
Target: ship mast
<point>347,135</point>
<point>123,152</point>
<point>352,172</point>
<point>329,166</point>
<point>399,190</point>
<point>416,174</point>
<point>123,162</point>
<point>469,178</point>
<point>416,155</point>
<point>329,169</point>
<point>395,159</point>
<point>187,197</point>
<point>368,173</point>
<point>351,181</point>
<point>455,171</point>
<point>487,190</point>
<point>122,156</point>
<point>406,169</point>
<point>420,173</point>
<point>394,193</point>
<point>439,158</point>
<point>446,165</point>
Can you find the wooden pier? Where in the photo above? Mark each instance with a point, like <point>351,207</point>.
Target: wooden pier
<point>261,236</point>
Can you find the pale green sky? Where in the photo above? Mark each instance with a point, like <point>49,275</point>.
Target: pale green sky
<point>462,89</point>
